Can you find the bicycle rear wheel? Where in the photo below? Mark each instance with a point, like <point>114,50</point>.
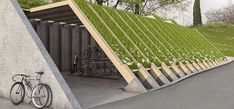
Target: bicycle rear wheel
<point>17,93</point>
<point>40,96</point>
<point>87,54</point>
<point>97,54</point>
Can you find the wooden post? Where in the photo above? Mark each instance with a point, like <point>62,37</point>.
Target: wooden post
<point>133,82</point>
<point>177,70</point>
<point>156,73</point>
<point>167,70</point>
<point>196,66</point>
<point>191,68</point>
<point>145,75</point>
<point>184,68</point>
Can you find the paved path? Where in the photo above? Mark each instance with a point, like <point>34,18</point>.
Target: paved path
<point>213,89</point>
<point>6,104</point>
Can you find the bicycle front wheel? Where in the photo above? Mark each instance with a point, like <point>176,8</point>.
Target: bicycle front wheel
<point>17,93</point>
<point>40,96</point>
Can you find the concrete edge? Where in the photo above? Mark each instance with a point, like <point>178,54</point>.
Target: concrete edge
<point>188,76</point>
<point>66,89</point>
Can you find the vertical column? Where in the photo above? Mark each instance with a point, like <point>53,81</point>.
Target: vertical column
<point>75,39</point>
<point>79,30</point>
<point>55,43</point>
<point>66,46</point>
<point>85,40</point>
<point>34,23</point>
<point>43,32</point>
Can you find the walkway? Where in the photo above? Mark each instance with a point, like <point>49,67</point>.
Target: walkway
<point>213,89</point>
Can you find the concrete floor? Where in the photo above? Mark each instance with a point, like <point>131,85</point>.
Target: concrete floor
<point>6,104</point>
<point>91,92</point>
<point>213,89</point>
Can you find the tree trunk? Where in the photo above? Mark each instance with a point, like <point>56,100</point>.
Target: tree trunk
<point>99,2</point>
<point>137,8</point>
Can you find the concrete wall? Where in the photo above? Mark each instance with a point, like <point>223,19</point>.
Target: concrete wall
<point>63,41</point>
<point>23,52</point>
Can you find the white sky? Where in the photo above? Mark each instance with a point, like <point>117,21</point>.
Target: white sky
<point>186,17</point>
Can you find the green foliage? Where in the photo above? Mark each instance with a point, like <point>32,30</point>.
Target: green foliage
<point>138,39</point>
<point>168,2</point>
<point>111,40</point>
<point>159,48</point>
<point>197,19</point>
<point>26,4</point>
<point>129,44</point>
<point>217,25</point>
<point>132,1</point>
<point>221,35</point>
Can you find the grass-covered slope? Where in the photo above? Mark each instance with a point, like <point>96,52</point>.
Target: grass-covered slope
<point>138,39</point>
<point>222,36</point>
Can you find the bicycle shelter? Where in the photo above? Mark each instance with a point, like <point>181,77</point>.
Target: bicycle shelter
<point>143,53</point>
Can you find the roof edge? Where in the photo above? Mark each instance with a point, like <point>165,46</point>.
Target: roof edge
<point>49,6</point>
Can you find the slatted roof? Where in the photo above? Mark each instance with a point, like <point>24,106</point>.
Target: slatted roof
<point>57,12</point>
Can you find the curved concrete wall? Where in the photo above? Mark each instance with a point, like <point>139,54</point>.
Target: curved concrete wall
<point>21,51</point>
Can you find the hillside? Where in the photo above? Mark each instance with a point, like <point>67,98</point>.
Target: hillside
<point>222,36</point>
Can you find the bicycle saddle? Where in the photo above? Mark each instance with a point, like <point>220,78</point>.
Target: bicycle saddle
<point>40,73</point>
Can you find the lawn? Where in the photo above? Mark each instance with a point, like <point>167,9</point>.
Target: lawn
<point>222,36</point>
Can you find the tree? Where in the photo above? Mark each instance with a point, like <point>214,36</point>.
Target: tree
<point>145,7</point>
<point>222,15</point>
<point>197,18</point>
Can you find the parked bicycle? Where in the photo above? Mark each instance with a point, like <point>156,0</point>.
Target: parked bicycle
<point>40,95</point>
<point>85,70</point>
<point>93,51</point>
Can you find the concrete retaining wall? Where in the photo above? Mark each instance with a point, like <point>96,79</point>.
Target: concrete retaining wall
<point>23,52</point>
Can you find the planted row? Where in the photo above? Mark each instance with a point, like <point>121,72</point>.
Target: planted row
<point>138,39</point>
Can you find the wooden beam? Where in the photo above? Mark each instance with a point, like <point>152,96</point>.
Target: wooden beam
<point>147,77</point>
<point>49,6</point>
<point>127,74</point>
<point>184,68</point>
<point>168,71</point>
<point>190,67</point>
<point>177,70</point>
<point>156,73</point>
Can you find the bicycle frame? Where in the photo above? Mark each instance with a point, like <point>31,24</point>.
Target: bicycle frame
<point>26,81</point>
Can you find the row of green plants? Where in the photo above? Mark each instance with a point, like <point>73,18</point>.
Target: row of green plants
<point>27,4</point>
<point>131,45</point>
<point>139,39</point>
<point>110,38</point>
<point>144,44</point>
<point>196,45</point>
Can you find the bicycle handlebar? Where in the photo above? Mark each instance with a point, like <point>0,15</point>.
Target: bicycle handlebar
<point>22,75</point>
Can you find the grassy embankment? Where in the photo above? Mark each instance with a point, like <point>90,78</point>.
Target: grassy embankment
<point>222,36</point>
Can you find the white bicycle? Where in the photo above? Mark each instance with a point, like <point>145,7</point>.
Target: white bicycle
<point>40,95</point>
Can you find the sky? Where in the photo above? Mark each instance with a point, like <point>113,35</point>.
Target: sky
<point>185,18</point>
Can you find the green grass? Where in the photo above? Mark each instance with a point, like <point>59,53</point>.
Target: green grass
<point>113,42</point>
<point>27,4</point>
<point>138,39</point>
<point>221,35</point>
